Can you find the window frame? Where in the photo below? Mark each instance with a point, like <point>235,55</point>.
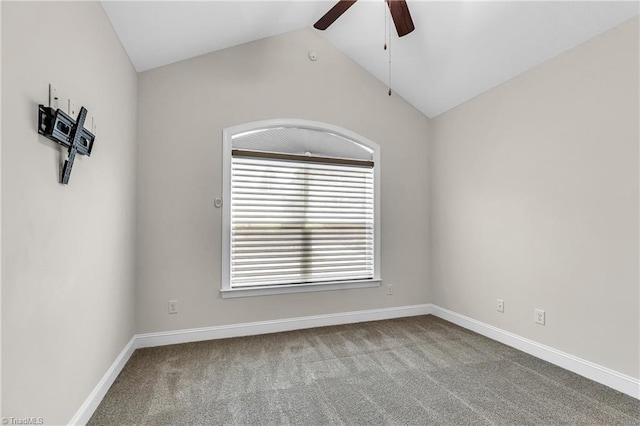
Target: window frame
<point>227,147</point>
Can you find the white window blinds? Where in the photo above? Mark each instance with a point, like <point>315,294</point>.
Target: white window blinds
<point>300,220</point>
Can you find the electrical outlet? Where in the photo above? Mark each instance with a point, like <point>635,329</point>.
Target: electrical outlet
<point>500,305</point>
<point>53,96</point>
<point>72,109</point>
<point>539,316</point>
<point>90,124</point>
<point>173,306</point>
<point>389,290</point>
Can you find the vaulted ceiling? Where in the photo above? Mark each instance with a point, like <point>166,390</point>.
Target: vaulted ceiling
<point>458,50</point>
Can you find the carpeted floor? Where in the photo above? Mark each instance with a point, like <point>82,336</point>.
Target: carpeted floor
<point>419,370</point>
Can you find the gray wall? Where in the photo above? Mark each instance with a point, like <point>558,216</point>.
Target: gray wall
<point>534,199</point>
<point>67,258</point>
<point>183,109</point>
<point>530,195</point>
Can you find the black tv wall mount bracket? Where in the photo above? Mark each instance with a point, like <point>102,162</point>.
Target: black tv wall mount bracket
<point>70,133</point>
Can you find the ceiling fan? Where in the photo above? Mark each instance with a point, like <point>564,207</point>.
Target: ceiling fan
<point>399,12</point>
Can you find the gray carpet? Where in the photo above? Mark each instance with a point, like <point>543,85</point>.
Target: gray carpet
<point>420,370</point>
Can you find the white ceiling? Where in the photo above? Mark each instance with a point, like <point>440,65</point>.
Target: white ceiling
<point>458,50</point>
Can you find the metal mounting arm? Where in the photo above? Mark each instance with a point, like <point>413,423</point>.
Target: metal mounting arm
<point>62,129</point>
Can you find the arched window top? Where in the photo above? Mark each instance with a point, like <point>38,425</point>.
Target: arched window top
<point>301,137</point>
<point>301,209</point>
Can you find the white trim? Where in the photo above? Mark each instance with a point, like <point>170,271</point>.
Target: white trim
<point>89,406</point>
<point>595,372</point>
<point>303,124</point>
<point>603,375</point>
<point>227,146</point>
<point>275,326</point>
<point>298,288</point>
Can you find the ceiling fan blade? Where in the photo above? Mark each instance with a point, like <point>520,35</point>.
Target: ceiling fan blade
<point>334,13</point>
<point>401,16</point>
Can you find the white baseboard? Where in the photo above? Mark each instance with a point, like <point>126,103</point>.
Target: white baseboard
<point>613,379</point>
<point>274,326</point>
<point>603,375</point>
<point>89,406</point>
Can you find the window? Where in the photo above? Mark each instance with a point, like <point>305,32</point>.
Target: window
<point>301,209</point>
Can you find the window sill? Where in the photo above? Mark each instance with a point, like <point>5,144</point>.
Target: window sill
<point>298,288</point>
